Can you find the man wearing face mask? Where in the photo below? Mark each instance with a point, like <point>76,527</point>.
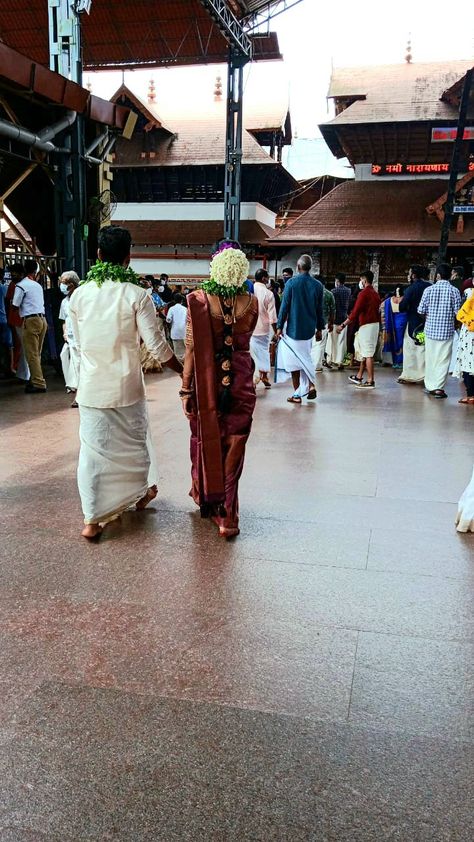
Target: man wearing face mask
<point>28,301</point>
<point>70,356</point>
<point>365,313</point>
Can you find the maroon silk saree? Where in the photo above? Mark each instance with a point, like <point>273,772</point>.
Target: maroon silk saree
<point>218,439</point>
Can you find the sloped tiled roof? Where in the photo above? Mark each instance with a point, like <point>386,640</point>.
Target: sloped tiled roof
<point>198,139</point>
<point>396,92</point>
<point>191,232</point>
<point>374,212</point>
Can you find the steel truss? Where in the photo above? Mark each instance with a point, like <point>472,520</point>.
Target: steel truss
<point>266,12</point>
<point>230,27</point>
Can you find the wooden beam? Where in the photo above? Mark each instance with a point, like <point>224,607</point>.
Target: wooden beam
<point>435,206</point>
<point>29,246</point>
<point>18,181</point>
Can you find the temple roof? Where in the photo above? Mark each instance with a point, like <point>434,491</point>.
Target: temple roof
<point>396,92</point>
<point>362,212</point>
<point>198,135</point>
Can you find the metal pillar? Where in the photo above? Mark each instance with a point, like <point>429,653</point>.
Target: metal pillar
<point>453,176</point>
<point>233,151</point>
<point>65,50</point>
<point>65,38</point>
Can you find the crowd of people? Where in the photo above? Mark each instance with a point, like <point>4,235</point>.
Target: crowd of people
<point>223,339</point>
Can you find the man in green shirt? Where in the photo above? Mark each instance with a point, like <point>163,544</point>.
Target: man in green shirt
<point>329,312</point>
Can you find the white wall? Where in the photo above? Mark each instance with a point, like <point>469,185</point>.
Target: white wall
<point>198,269</point>
<point>184,211</point>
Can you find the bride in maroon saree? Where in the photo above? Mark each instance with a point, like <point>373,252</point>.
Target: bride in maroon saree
<point>218,392</point>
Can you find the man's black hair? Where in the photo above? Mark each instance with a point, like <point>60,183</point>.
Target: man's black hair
<point>178,298</point>
<point>368,275</point>
<point>30,266</point>
<point>288,270</point>
<point>261,274</point>
<point>114,243</point>
<point>459,271</point>
<point>164,277</point>
<point>340,276</point>
<point>444,270</point>
<point>417,271</point>
<point>17,268</point>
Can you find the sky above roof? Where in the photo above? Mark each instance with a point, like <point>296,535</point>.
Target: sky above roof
<point>313,37</point>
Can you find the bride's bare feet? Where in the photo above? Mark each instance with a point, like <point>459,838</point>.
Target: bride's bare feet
<point>149,496</point>
<point>91,530</point>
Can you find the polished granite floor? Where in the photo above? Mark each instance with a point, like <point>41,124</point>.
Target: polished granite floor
<point>312,680</point>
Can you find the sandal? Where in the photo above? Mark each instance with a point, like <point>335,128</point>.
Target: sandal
<point>467,400</point>
<point>312,395</point>
<point>354,379</point>
<point>267,384</point>
<point>294,399</point>
<point>439,394</point>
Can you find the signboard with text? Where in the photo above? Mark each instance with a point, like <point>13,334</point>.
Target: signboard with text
<point>463,209</point>
<point>447,134</point>
<point>416,169</point>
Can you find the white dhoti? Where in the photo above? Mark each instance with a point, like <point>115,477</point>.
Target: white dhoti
<point>116,460</point>
<point>318,349</point>
<point>70,361</point>
<point>437,359</point>
<point>336,346</point>
<point>260,352</point>
<point>366,340</point>
<point>413,360</point>
<point>465,515</point>
<point>295,355</point>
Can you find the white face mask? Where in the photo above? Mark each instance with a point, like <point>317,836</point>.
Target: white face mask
<point>64,288</point>
<point>361,284</point>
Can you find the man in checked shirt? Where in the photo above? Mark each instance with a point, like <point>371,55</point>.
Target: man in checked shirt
<point>439,304</point>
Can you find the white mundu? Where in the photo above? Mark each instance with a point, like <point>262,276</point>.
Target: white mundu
<point>437,356</point>
<point>116,464</point>
<point>413,360</point>
<point>336,346</point>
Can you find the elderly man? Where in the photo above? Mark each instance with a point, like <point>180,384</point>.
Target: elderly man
<point>299,321</point>
<point>110,314</point>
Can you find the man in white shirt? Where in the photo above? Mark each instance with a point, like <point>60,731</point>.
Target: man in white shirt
<point>109,317</point>
<point>28,298</point>
<point>264,329</point>
<point>176,318</point>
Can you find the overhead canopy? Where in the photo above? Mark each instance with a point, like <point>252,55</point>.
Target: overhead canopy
<point>135,33</point>
<point>33,98</point>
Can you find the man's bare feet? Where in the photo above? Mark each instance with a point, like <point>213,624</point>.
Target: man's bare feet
<point>91,530</point>
<point>149,496</point>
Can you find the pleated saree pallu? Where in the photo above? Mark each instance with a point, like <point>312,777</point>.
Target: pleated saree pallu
<point>218,439</point>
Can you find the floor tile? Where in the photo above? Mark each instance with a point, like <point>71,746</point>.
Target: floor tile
<point>413,685</point>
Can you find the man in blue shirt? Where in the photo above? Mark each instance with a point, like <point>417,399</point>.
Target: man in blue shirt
<point>300,320</point>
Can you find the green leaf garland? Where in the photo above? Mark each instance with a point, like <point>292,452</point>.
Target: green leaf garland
<point>101,272</point>
<point>213,288</point>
